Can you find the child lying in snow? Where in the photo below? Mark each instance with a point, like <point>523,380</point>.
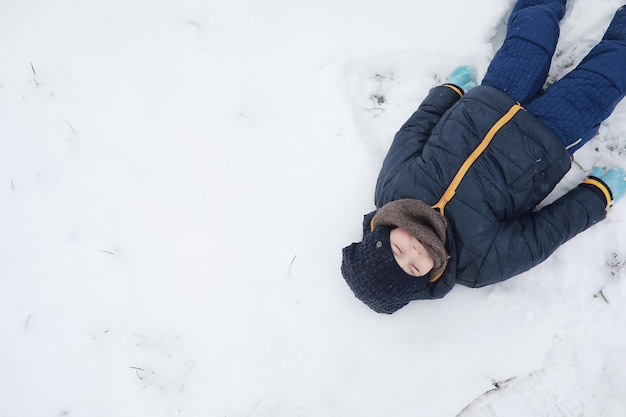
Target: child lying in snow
<point>457,190</point>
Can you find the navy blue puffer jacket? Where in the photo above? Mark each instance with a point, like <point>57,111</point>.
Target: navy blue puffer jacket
<point>511,165</point>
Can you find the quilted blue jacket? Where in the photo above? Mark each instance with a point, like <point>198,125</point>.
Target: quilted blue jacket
<point>486,164</point>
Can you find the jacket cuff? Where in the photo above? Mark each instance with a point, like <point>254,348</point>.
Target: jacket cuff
<point>600,188</point>
<point>456,88</point>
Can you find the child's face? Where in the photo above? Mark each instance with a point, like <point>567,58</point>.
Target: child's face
<point>410,254</point>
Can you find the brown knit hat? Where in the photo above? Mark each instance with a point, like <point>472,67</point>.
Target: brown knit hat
<point>421,221</point>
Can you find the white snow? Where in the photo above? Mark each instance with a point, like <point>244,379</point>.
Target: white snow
<point>178,179</point>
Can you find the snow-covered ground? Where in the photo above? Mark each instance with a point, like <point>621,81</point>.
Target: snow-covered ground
<point>178,179</point>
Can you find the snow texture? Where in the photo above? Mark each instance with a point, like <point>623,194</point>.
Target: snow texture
<point>178,179</point>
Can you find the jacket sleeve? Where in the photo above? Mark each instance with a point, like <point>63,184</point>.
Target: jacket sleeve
<point>528,240</point>
<point>413,135</point>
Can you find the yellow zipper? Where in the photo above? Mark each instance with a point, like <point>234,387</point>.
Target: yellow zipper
<point>454,184</point>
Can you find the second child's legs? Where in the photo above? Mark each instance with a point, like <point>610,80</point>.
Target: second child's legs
<point>521,65</point>
<point>574,106</point>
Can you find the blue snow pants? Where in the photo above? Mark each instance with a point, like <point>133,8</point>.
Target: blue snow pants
<point>574,106</point>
